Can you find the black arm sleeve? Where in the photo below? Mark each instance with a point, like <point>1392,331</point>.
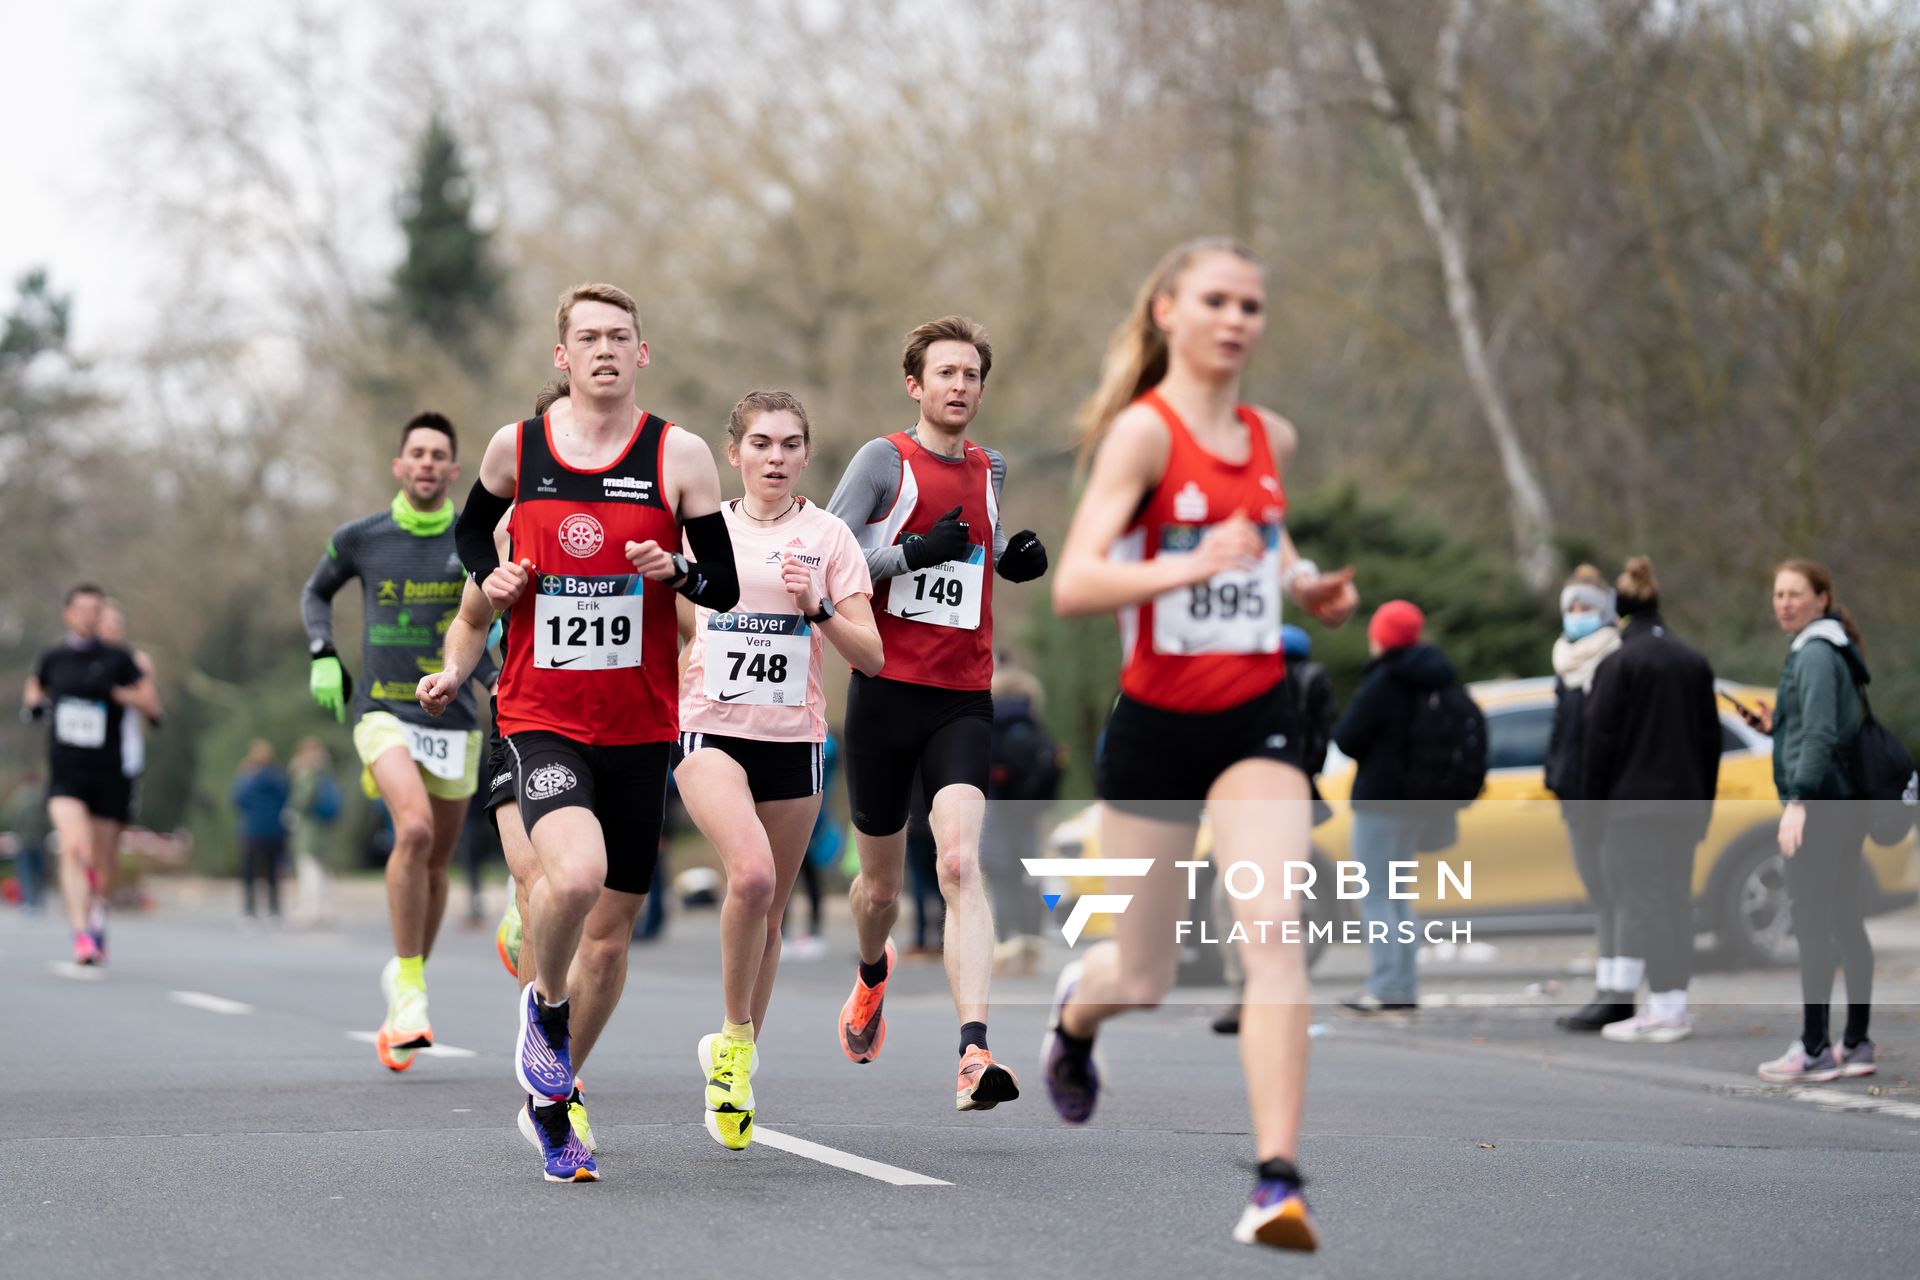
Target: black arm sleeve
<point>712,578</point>
<point>473,534</point>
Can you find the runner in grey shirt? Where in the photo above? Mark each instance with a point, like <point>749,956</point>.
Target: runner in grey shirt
<point>424,768</point>
<point>870,487</point>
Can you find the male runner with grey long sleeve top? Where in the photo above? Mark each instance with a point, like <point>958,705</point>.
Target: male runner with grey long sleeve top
<point>425,769</point>
<point>929,714</point>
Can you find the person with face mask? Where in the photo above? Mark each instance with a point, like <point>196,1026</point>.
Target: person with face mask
<point>1589,631</point>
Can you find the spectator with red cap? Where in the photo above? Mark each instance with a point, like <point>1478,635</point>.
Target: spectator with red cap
<point>1387,820</point>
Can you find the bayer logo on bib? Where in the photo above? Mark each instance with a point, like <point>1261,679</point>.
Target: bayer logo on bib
<point>942,595</point>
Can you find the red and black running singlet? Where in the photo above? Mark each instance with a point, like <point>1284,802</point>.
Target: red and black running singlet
<point>936,623</point>
<point>595,645</point>
<point>1215,644</point>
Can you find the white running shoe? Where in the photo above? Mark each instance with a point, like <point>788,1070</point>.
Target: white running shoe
<point>1644,1028</point>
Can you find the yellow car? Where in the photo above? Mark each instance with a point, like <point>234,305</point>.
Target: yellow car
<point>1522,872</point>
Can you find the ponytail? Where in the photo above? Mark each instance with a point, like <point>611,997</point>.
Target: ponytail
<point>1136,359</point>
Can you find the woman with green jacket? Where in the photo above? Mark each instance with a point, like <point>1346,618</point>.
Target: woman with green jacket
<point>1816,715</point>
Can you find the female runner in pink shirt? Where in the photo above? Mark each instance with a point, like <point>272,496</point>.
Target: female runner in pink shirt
<point>753,718</point>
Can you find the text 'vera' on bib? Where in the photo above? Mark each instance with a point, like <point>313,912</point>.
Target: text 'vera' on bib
<point>1234,611</point>
<point>587,623</point>
<point>758,658</point>
<point>942,595</point>
<point>441,752</point>
<point>80,722</point>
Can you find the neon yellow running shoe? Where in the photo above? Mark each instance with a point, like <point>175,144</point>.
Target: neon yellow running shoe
<point>406,1028</point>
<point>506,939</point>
<point>577,1116</point>
<point>728,1066</point>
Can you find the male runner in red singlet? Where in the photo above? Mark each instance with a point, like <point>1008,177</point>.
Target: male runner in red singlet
<point>925,504</point>
<point>588,702</point>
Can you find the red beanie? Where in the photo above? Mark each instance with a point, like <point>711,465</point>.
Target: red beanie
<point>1396,624</point>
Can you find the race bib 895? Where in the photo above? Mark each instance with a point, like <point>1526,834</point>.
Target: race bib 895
<point>1234,611</point>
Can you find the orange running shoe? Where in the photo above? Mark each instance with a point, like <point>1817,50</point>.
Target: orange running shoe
<point>862,1029</point>
<point>984,1083</point>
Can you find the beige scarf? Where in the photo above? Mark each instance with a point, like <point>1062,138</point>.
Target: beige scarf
<point>1575,661</point>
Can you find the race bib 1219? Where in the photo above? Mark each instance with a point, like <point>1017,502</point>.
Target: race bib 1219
<point>592,624</point>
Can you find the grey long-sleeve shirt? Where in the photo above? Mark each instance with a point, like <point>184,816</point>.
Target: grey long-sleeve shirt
<point>871,485</point>
<point>412,589</point>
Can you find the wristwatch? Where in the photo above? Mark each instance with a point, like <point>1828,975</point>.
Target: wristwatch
<point>680,569</point>
<point>826,611</point>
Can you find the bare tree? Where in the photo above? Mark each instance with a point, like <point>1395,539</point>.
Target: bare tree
<point>1431,164</point>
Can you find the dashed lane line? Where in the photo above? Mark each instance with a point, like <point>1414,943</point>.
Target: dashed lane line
<point>212,1004</point>
<point>431,1051</point>
<point>843,1159</point>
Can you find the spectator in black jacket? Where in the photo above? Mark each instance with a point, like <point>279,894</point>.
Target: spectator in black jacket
<point>1652,745</point>
<point>1589,633</point>
<point>1386,826</point>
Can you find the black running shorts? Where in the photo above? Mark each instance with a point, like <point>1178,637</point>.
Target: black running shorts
<point>1161,764</point>
<point>496,784</point>
<point>895,729</point>
<point>107,794</point>
<point>624,787</point>
<point>775,770</point>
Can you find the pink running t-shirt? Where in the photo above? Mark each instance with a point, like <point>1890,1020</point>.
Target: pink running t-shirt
<point>754,671</point>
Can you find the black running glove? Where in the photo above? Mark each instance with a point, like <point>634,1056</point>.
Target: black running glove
<point>1024,559</point>
<point>947,540</point>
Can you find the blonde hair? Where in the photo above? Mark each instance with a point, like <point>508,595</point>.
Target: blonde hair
<point>755,403</point>
<point>1136,358</point>
<point>913,358</point>
<point>612,295</point>
<point>1013,682</point>
<point>1587,575</point>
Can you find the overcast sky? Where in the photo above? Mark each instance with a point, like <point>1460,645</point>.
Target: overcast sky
<point>59,106</point>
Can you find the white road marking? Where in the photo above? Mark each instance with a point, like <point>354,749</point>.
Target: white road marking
<point>1841,1100</point>
<point>212,1004</point>
<point>75,972</point>
<point>1485,1000</point>
<point>431,1051</point>
<point>843,1160</point>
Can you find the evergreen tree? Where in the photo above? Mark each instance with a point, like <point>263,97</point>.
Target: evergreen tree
<point>448,280</point>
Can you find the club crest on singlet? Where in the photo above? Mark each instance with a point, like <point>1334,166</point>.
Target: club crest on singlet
<point>581,535</point>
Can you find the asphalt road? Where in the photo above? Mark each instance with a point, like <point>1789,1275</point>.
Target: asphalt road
<point>204,1110</point>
